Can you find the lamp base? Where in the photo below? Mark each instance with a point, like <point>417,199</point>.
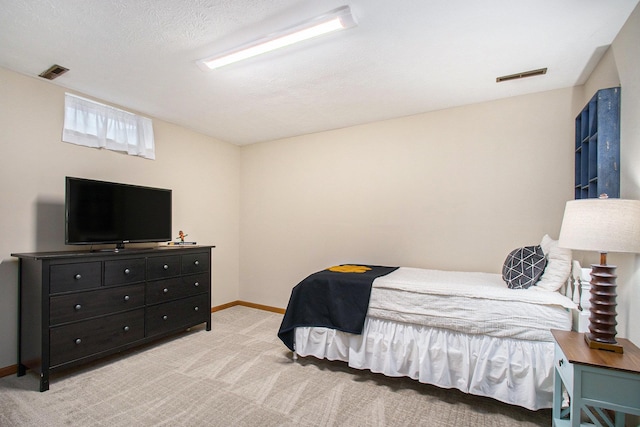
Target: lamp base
<point>602,321</point>
<point>603,345</point>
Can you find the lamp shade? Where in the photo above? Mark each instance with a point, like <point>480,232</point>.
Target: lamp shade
<point>603,225</point>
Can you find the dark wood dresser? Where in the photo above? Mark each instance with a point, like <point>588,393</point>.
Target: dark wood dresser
<point>79,306</point>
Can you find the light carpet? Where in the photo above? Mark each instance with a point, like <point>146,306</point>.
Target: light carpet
<point>240,374</point>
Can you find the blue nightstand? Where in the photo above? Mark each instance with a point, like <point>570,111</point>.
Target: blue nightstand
<point>600,383</point>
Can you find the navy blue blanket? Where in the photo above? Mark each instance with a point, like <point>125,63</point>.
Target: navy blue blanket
<point>335,298</point>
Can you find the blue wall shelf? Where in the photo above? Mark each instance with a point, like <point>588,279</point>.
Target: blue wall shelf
<point>598,146</point>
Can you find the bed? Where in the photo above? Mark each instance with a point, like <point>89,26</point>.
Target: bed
<point>465,330</point>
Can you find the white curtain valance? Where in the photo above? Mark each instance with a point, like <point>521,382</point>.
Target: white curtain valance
<point>97,125</point>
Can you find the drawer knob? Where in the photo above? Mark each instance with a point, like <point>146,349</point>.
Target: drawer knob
<point>560,362</point>
<point>196,262</point>
<point>127,271</point>
<point>166,267</point>
<point>165,290</point>
<point>77,307</point>
<point>77,276</point>
<point>165,317</point>
<point>195,308</point>
<point>78,341</point>
<point>196,284</point>
<point>127,298</point>
<point>126,329</point>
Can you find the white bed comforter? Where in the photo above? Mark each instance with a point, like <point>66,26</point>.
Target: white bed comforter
<point>454,330</point>
<point>472,303</point>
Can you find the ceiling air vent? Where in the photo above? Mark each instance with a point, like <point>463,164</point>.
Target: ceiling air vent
<point>53,72</point>
<point>522,75</point>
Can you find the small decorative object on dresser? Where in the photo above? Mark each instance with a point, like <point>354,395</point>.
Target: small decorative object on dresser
<point>79,306</point>
<point>180,240</point>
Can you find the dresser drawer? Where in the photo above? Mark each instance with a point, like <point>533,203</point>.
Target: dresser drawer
<point>195,263</point>
<point>163,267</point>
<point>124,271</point>
<point>564,368</point>
<point>73,277</point>
<point>176,287</point>
<point>197,282</point>
<point>77,340</point>
<point>177,314</point>
<point>83,305</point>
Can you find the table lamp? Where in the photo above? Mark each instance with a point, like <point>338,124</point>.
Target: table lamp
<point>603,225</point>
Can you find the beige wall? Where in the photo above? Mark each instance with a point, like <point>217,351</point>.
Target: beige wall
<point>620,66</point>
<point>452,189</point>
<point>202,172</point>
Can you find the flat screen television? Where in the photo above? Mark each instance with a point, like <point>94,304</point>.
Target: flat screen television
<point>100,212</point>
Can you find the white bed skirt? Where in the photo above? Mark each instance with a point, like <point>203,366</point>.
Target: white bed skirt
<point>513,371</point>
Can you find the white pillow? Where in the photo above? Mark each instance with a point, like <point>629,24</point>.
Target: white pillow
<point>546,244</point>
<point>558,265</point>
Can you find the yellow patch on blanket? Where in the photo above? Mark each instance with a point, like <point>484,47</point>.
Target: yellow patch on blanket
<point>349,268</point>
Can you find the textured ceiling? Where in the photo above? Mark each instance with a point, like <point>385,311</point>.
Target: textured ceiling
<point>403,58</point>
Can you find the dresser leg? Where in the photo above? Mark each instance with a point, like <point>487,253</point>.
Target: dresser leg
<point>575,413</point>
<point>44,381</point>
<point>556,410</point>
<point>22,370</point>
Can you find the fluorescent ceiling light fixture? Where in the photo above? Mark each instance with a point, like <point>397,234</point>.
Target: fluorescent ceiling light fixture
<point>337,19</point>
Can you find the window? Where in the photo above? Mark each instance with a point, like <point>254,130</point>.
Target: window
<point>97,125</point>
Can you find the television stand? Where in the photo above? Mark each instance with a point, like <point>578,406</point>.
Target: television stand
<point>117,249</point>
<point>76,307</point>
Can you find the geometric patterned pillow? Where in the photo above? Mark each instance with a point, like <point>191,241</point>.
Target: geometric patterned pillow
<point>524,267</point>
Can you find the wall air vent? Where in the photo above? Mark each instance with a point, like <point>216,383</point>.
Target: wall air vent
<point>522,75</point>
<point>53,72</point>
